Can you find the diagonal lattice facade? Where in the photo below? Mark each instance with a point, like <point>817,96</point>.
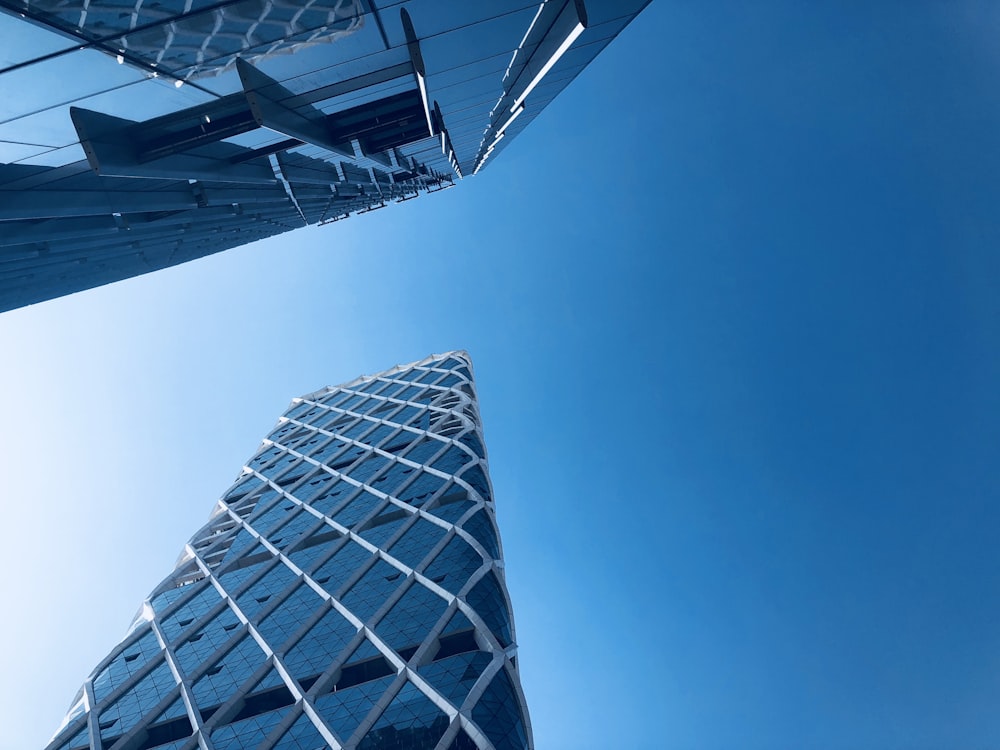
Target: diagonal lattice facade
<point>348,591</point>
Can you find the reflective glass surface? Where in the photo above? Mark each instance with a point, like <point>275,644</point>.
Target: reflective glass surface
<point>322,578</point>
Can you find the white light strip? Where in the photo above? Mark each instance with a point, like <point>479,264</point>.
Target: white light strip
<point>423,98</point>
<point>510,119</point>
<point>567,42</point>
<point>534,20</point>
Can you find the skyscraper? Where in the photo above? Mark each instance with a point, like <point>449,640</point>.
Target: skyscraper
<point>347,591</point>
<point>139,134</point>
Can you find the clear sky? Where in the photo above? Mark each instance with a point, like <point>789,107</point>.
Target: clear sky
<point>732,303</point>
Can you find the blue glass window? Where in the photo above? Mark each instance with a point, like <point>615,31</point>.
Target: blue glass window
<point>452,460</point>
<point>334,496</point>
<point>452,504</point>
<point>351,454</point>
<point>202,601</point>
<point>409,375</point>
<point>408,393</point>
<point>302,735</point>
<point>454,564</point>
<point>79,741</point>
<point>200,645</point>
<point>411,618</point>
<point>418,540</point>
<point>263,503</point>
<point>284,621</point>
<point>379,434</point>
<point>165,598</point>
<point>247,734</point>
<point>455,676</point>
<point>360,507</point>
<point>345,709</point>
<point>368,468</point>
<point>301,522</point>
<point>475,478</point>
<point>359,428</point>
<point>244,488</point>
<point>407,413</point>
<point>420,490</point>
<point>473,442</point>
<point>336,571</point>
<point>265,456</point>
<point>241,541</point>
<point>429,377</point>
<point>457,624</point>
<point>382,528</point>
<point>270,586</point>
<point>320,646</point>
<point>250,566</point>
<point>371,591</point>
<point>277,514</point>
<point>233,669</point>
<point>399,441</point>
<point>422,451</point>
<point>317,485</point>
<point>480,526</point>
<point>449,364</point>
<point>127,663</point>
<point>135,703</point>
<point>448,381</point>
<point>487,599</point>
<point>411,722</point>
<point>395,476</point>
<point>317,546</point>
<point>299,410</point>
<point>498,715</point>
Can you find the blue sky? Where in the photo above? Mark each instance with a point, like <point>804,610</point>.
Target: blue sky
<point>732,306</point>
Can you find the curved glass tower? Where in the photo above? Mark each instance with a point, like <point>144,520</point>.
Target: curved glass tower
<point>347,592</point>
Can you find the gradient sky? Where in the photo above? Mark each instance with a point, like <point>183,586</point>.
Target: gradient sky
<point>732,303</point>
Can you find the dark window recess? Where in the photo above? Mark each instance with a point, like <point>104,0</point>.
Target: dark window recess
<point>285,481</point>
<point>462,742</point>
<point>407,653</point>
<point>438,579</point>
<point>393,576</point>
<point>388,517</point>
<point>387,123</point>
<point>230,626</point>
<point>267,700</point>
<point>324,579</point>
<point>196,637</point>
<point>168,731</point>
<point>107,724</point>
<point>206,713</point>
<point>315,539</point>
<point>262,599</point>
<point>214,670</point>
<point>308,682</point>
<point>457,643</point>
<point>131,657</point>
<point>246,562</point>
<point>185,623</point>
<point>364,671</point>
<point>347,462</point>
<point>406,439</point>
